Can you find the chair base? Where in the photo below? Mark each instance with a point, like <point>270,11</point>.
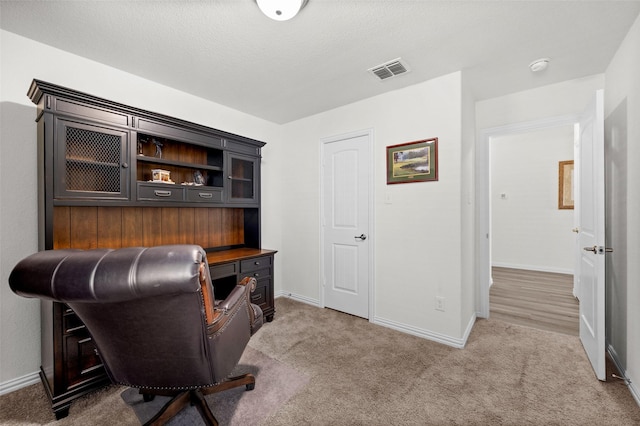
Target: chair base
<point>194,397</point>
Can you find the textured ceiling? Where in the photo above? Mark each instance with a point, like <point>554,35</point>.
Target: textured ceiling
<point>228,52</point>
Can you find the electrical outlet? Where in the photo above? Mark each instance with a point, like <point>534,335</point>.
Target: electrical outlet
<point>440,303</point>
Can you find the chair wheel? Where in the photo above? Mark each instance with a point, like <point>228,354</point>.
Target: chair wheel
<point>251,386</point>
<point>147,397</point>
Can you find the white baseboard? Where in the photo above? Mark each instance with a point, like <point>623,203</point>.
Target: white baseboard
<point>19,383</point>
<point>533,268</point>
<point>467,331</point>
<point>425,334</point>
<point>299,298</point>
<point>635,392</point>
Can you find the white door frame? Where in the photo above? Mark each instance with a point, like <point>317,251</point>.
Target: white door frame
<point>483,200</point>
<point>370,232</point>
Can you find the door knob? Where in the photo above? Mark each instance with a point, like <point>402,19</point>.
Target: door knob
<point>361,237</point>
<point>576,230</point>
<point>599,249</point>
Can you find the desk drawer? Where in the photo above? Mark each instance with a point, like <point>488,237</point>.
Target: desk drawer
<point>200,195</point>
<point>224,270</point>
<point>262,295</point>
<point>256,263</point>
<point>260,273</point>
<point>71,322</point>
<point>82,359</point>
<point>160,193</point>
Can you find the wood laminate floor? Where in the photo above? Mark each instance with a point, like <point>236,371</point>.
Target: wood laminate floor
<point>541,300</point>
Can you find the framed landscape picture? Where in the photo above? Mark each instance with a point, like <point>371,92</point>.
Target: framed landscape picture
<point>565,185</point>
<point>413,162</point>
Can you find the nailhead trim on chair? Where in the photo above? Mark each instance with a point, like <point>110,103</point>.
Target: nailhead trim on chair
<point>203,311</point>
<point>176,388</point>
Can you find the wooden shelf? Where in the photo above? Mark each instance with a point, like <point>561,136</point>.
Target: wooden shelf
<point>156,160</point>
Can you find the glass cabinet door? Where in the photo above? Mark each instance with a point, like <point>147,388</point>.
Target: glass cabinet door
<point>242,179</point>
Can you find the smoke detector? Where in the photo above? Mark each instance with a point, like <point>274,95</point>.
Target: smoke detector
<point>389,69</point>
<point>539,64</point>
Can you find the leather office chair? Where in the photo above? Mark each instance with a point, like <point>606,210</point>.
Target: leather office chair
<point>153,317</point>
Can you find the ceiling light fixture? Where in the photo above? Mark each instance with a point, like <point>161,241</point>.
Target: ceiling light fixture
<point>281,10</point>
<point>539,64</point>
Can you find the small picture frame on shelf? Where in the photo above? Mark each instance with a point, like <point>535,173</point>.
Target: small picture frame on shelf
<point>159,175</point>
<point>198,179</point>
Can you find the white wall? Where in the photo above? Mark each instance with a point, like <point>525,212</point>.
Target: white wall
<point>21,61</point>
<point>622,152</point>
<point>418,237</point>
<point>528,231</point>
<point>554,100</point>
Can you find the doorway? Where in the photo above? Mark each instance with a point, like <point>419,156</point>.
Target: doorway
<point>589,284</point>
<point>532,244</point>
<point>521,237</point>
<point>347,223</point>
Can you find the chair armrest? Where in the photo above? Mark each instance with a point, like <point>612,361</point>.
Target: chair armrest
<point>250,281</point>
<point>237,294</point>
<point>226,308</point>
<point>256,323</point>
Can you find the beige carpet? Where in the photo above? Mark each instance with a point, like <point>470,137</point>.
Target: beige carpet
<point>506,375</point>
<point>275,384</point>
<point>360,373</point>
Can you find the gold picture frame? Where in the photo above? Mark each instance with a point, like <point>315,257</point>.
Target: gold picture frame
<point>413,162</point>
<point>565,185</point>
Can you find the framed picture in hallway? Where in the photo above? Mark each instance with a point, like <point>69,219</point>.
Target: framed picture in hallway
<point>413,162</point>
<point>565,185</point>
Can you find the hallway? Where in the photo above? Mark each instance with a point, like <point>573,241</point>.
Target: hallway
<point>541,300</point>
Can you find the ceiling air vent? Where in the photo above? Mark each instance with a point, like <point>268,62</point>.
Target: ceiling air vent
<point>389,69</point>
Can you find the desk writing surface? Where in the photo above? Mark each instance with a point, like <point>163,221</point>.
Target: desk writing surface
<point>233,255</point>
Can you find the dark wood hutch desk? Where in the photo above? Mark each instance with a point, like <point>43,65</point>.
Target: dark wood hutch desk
<point>99,165</point>
<point>228,267</point>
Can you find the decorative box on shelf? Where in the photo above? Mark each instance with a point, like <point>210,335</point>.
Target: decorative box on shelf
<point>159,175</point>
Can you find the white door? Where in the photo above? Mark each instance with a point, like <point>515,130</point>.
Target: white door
<point>346,223</point>
<point>591,237</point>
